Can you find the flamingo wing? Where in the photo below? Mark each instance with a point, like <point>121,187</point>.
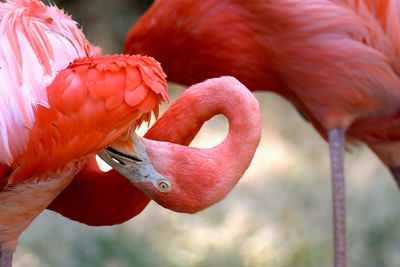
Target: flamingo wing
<point>91,103</point>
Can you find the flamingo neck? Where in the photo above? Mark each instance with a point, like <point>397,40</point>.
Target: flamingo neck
<point>99,198</point>
<point>215,170</point>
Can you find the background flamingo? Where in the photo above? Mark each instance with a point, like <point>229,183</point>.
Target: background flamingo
<point>233,232</point>
<point>335,60</point>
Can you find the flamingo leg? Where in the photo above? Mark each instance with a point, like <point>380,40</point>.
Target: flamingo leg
<point>6,256</point>
<point>336,146</point>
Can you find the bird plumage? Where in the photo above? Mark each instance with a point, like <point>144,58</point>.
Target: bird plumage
<point>91,103</point>
<point>99,198</point>
<point>36,42</point>
<point>303,49</point>
<point>337,61</point>
<point>61,102</point>
<point>198,178</point>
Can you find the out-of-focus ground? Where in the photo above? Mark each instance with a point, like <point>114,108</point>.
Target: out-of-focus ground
<point>278,215</point>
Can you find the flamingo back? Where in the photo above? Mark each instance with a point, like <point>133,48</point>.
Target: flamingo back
<point>92,103</point>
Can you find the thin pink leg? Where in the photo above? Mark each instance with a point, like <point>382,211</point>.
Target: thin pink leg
<point>6,256</point>
<point>336,147</point>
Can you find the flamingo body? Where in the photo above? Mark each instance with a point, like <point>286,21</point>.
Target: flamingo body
<point>26,200</point>
<point>73,105</point>
<point>95,101</point>
<point>36,43</point>
<point>337,61</point>
<point>92,102</point>
<point>87,104</point>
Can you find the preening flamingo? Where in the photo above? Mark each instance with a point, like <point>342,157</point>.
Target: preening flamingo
<point>185,179</point>
<point>61,103</point>
<point>337,61</point>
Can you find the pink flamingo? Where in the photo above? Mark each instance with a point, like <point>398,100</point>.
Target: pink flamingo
<point>213,172</point>
<point>62,103</point>
<point>337,61</point>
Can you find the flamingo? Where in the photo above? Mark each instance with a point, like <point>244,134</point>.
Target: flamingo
<point>211,177</point>
<point>337,61</point>
<point>62,102</point>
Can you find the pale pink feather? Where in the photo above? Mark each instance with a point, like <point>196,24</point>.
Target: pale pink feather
<point>36,42</point>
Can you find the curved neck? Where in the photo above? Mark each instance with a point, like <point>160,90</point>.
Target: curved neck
<point>181,122</point>
<point>206,174</point>
<point>99,198</point>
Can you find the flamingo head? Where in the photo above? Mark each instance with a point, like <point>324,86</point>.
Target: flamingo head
<point>178,183</point>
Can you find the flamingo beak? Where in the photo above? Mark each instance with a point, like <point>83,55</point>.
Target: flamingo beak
<point>129,157</point>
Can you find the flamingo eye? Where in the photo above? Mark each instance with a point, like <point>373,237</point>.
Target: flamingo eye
<point>164,185</point>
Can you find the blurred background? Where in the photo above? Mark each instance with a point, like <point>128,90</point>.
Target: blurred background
<point>278,215</point>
